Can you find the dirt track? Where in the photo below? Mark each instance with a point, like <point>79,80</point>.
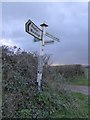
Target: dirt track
<point>80,89</point>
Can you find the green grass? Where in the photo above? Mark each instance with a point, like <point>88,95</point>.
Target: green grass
<point>83,103</point>
<point>75,105</point>
<point>79,81</point>
<point>89,105</point>
<point>80,112</point>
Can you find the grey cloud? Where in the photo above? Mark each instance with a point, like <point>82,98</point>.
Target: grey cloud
<point>24,11</point>
<point>67,21</point>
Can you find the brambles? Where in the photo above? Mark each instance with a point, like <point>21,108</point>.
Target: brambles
<point>19,95</point>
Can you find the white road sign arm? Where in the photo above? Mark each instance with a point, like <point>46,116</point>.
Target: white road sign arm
<point>51,36</point>
<point>32,29</point>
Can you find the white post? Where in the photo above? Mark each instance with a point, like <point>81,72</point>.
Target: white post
<point>40,59</point>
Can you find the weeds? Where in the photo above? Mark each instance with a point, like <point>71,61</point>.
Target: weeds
<point>19,96</point>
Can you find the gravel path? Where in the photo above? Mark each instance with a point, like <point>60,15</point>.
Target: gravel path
<point>80,89</point>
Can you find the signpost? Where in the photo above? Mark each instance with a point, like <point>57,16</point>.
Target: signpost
<point>39,36</point>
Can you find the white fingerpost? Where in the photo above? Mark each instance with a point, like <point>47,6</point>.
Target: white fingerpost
<point>39,36</point>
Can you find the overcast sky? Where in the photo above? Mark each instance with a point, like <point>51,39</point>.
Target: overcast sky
<point>67,21</point>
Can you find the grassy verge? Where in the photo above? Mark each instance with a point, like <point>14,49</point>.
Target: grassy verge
<point>81,110</point>
<point>83,104</point>
<point>79,81</point>
<point>55,102</point>
<point>59,106</point>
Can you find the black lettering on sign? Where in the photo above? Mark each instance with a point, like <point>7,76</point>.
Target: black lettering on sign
<point>35,32</point>
<point>34,28</point>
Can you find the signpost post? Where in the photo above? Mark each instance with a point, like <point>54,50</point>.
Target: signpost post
<point>39,35</point>
<point>40,61</point>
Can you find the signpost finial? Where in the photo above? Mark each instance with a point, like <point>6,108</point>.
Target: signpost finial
<point>44,25</point>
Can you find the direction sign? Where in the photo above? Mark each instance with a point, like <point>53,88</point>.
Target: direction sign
<point>32,29</point>
<point>51,36</point>
<point>49,42</point>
